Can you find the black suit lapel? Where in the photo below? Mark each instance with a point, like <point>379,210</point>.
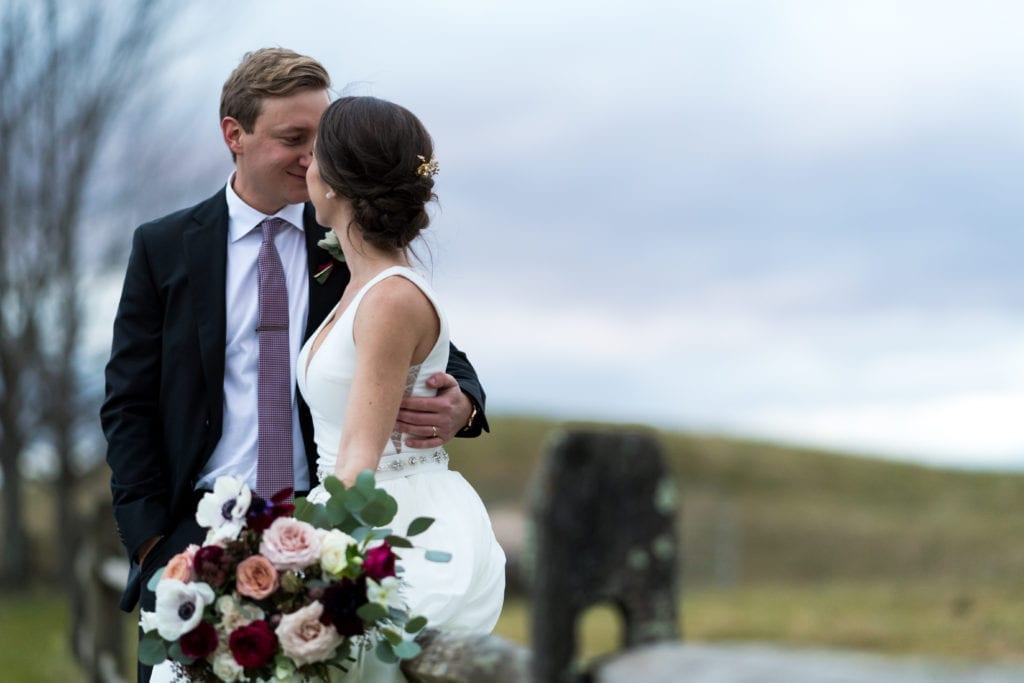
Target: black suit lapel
<point>322,297</point>
<point>206,253</point>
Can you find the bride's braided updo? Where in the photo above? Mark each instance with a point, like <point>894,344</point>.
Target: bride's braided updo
<point>369,150</point>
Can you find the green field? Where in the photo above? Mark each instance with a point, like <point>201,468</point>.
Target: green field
<point>929,619</point>
<point>779,544</point>
<point>813,548</point>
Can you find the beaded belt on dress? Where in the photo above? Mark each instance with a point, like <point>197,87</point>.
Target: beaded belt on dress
<point>404,464</point>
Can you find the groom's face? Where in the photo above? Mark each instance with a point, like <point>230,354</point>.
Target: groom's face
<point>272,159</point>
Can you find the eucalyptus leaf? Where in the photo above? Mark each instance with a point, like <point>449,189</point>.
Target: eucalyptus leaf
<point>385,652</point>
<point>155,579</point>
<point>371,611</point>
<point>152,650</point>
<point>393,637</point>
<point>415,624</point>
<point>398,541</point>
<point>380,509</point>
<point>337,500</point>
<point>348,525</point>
<point>407,649</point>
<point>334,485</point>
<point>315,514</point>
<point>355,501</point>
<point>419,525</point>
<point>437,556</point>
<point>303,509</point>
<point>365,482</point>
<point>360,533</point>
<point>337,515</point>
<point>175,653</point>
<point>377,513</point>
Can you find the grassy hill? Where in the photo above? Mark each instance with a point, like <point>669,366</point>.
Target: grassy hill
<point>812,548</point>
<point>753,511</point>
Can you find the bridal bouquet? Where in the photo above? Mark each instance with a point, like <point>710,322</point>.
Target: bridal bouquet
<point>282,592</point>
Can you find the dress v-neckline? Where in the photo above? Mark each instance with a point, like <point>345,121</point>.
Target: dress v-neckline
<point>314,348</point>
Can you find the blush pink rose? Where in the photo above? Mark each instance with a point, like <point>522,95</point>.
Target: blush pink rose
<point>256,577</point>
<point>291,544</point>
<point>304,638</point>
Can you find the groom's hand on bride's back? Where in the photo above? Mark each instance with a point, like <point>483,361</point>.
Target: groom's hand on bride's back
<point>447,413</point>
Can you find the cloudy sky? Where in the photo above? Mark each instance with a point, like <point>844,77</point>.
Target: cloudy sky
<point>797,220</point>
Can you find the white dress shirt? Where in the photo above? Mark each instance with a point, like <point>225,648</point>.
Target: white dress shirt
<point>236,453</point>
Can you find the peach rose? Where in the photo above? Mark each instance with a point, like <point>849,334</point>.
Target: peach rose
<point>180,566</point>
<point>291,544</point>
<point>256,577</point>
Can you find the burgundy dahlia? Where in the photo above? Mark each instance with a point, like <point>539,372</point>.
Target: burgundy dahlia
<point>340,601</point>
<point>209,565</point>
<point>200,642</point>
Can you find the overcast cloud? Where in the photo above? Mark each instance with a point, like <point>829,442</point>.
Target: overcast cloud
<point>797,220</point>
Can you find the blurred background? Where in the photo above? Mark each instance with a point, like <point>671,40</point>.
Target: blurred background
<point>783,234</point>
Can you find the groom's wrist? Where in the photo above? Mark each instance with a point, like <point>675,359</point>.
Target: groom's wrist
<point>474,410</point>
<point>144,549</point>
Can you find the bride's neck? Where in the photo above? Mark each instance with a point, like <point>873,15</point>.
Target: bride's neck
<point>365,263</point>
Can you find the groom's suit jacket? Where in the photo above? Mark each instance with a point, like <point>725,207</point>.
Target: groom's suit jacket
<point>163,410</point>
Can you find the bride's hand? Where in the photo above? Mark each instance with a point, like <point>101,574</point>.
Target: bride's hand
<point>433,421</point>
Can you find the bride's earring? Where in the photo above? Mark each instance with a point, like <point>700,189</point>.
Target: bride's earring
<point>329,195</point>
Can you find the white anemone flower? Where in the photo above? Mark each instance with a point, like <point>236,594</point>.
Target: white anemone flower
<point>223,510</point>
<point>179,607</point>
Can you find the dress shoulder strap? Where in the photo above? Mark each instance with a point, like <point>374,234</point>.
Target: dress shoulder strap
<point>417,279</point>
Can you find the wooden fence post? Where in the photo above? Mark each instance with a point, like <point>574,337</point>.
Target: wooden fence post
<point>603,522</point>
<point>98,625</point>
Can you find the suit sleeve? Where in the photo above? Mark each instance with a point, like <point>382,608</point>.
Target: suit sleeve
<point>462,370</point>
<point>129,414</point>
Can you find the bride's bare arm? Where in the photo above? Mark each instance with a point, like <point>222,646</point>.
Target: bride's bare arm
<point>395,327</point>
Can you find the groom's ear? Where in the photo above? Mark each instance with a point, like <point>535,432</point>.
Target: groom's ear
<point>232,131</point>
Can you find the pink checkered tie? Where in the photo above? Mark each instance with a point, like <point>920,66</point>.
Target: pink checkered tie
<point>274,469</point>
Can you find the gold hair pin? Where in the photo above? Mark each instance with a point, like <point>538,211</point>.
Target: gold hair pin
<point>428,169</point>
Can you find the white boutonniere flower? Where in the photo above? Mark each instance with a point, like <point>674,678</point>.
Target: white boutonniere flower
<point>223,511</point>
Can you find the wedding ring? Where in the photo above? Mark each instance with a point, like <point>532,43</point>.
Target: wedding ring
<point>435,431</point>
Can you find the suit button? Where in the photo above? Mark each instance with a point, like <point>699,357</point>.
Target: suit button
<point>206,423</point>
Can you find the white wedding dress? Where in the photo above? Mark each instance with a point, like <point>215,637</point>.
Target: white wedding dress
<point>463,595</point>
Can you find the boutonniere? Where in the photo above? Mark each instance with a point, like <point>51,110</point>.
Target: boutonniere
<point>332,246</point>
<point>323,272</point>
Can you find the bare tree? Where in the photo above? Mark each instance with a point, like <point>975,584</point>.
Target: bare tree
<point>67,71</point>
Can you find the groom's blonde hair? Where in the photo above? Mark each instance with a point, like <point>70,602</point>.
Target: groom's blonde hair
<point>269,72</point>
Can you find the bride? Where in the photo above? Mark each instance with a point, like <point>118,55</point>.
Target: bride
<point>370,181</point>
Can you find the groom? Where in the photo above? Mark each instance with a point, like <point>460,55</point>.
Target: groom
<point>181,384</point>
